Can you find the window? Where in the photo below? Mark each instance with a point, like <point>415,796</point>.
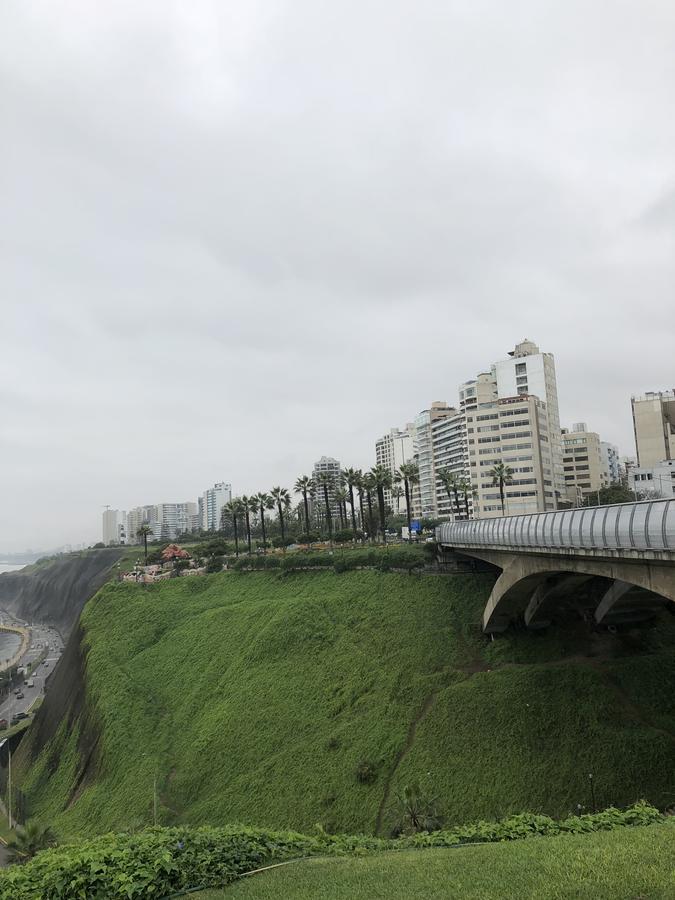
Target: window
<point>521,368</point>
<point>522,389</point>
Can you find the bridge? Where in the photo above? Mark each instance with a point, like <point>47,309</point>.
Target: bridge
<point>616,563</point>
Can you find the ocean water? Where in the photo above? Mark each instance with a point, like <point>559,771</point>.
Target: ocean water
<point>9,644</point>
<point>7,567</point>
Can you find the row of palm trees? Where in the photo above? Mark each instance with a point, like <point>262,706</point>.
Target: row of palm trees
<point>354,485</point>
<point>360,491</point>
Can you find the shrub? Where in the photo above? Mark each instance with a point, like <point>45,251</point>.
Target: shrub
<point>161,861</point>
<point>366,772</point>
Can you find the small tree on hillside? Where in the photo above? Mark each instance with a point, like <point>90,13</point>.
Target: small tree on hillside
<point>143,532</point>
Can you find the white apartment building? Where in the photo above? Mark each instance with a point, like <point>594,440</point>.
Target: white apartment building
<point>654,427</point>
<point>211,505</point>
<point>114,527</point>
<point>426,500</point>
<point>511,415</point>
<point>174,519</point>
<point>450,454</point>
<point>528,371</point>
<point>584,463</point>
<point>140,515</point>
<point>392,450</point>
<point>653,481</point>
<point>327,465</point>
<point>610,456</point>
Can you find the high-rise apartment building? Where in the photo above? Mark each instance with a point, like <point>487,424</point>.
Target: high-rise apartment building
<point>653,481</point>
<point>140,515</point>
<point>326,466</point>
<point>450,454</point>
<point>211,505</point>
<point>654,427</point>
<point>511,415</point>
<point>174,519</point>
<point>610,455</point>
<point>393,449</point>
<point>584,463</point>
<point>114,527</point>
<point>426,502</point>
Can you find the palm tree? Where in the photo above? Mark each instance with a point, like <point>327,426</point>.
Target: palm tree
<point>368,483</point>
<point>382,480</point>
<point>361,492</point>
<point>465,487</point>
<point>305,486</point>
<point>143,532</point>
<point>283,500</point>
<point>341,497</point>
<point>450,481</point>
<point>264,501</point>
<point>501,475</point>
<point>351,479</point>
<point>396,494</point>
<point>30,839</point>
<point>409,474</point>
<point>248,505</point>
<point>233,510</point>
<point>324,480</point>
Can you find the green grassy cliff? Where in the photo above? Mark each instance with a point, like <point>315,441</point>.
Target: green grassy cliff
<point>312,698</point>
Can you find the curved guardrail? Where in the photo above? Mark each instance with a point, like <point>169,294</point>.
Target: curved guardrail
<point>645,525</point>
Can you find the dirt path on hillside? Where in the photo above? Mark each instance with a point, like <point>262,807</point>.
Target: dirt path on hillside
<point>401,755</point>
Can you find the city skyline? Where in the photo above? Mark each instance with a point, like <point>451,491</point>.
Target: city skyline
<point>226,253</point>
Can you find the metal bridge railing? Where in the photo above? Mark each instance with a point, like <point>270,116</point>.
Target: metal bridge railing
<point>645,525</point>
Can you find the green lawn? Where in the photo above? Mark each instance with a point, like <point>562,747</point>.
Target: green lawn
<point>628,864</point>
<point>256,698</point>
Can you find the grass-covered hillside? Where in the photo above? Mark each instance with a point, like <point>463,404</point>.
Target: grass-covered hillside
<point>619,865</point>
<point>314,697</point>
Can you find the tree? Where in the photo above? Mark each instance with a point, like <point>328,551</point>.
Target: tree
<point>466,488</point>
<point>368,487</point>
<point>614,493</point>
<point>409,474</point>
<point>305,485</point>
<point>396,494</point>
<point>501,474</point>
<point>264,501</point>
<point>232,511</point>
<point>29,839</point>
<point>382,480</point>
<point>450,481</point>
<point>341,500</point>
<point>282,498</point>
<point>351,477</point>
<point>143,532</point>
<point>249,505</point>
<point>325,481</point>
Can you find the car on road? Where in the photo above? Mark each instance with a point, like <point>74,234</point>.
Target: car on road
<point>30,683</point>
<point>19,717</point>
<point>3,723</point>
<point>20,695</point>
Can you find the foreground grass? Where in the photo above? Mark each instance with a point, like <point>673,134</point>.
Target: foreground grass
<point>255,698</point>
<point>621,865</point>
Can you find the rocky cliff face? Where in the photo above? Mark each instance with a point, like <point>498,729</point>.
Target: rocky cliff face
<point>56,593</point>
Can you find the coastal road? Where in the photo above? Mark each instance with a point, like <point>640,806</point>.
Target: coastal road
<point>41,637</point>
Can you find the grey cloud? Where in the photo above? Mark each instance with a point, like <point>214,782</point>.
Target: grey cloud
<point>236,236</point>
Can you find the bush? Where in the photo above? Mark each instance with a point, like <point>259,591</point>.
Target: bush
<point>161,861</point>
<point>366,772</point>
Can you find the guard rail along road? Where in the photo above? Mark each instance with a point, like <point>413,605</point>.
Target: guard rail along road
<point>618,561</point>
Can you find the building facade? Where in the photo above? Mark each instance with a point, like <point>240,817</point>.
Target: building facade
<point>610,455</point>
<point>425,499</point>
<point>327,465</point>
<point>114,528</point>
<point>450,454</point>
<point>211,505</point>
<point>655,481</point>
<point>140,515</point>
<point>394,449</point>
<point>511,415</point>
<point>654,427</point>
<point>585,463</point>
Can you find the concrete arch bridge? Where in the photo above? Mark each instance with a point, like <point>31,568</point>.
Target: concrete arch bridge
<point>617,561</point>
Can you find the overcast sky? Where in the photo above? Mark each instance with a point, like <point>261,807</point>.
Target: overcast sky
<point>237,236</point>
